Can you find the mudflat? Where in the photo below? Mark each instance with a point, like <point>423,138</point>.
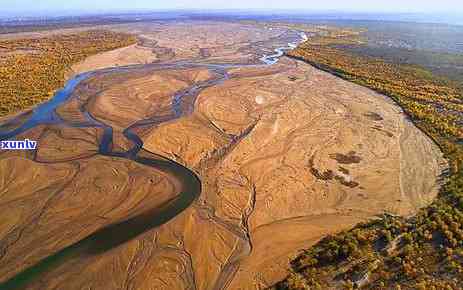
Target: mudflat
<point>285,153</point>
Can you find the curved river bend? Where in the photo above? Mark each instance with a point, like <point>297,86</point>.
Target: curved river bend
<point>118,233</point>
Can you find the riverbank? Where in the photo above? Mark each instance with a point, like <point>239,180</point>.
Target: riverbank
<point>414,252</point>
<point>124,56</point>
<point>286,154</point>
<point>72,132</point>
<point>33,69</point>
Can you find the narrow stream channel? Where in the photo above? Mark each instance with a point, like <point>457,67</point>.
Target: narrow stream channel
<point>121,232</point>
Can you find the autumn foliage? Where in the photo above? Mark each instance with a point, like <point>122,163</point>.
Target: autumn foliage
<point>422,252</point>
<point>31,70</point>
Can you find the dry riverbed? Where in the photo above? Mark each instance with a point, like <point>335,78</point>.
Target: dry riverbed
<point>286,154</point>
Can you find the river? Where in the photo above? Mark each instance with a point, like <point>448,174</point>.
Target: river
<point>182,105</point>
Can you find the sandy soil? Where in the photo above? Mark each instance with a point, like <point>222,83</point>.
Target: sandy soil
<point>133,54</point>
<point>207,41</point>
<point>285,183</point>
<point>55,199</point>
<point>286,154</point>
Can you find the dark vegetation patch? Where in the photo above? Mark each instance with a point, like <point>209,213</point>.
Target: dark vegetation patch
<point>349,158</point>
<point>379,128</point>
<point>324,175</point>
<point>445,65</point>
<point>348,183</point>
<point>330,175</point>
<point>320,175</point>
<point>344,170</point>
<point>374,116</point>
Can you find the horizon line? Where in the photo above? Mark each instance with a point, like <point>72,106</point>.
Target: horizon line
<point>214,10</point>
<point>448,18</point>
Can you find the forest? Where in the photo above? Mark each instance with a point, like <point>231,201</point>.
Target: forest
<point>32,69</point>
<point>420,252</point>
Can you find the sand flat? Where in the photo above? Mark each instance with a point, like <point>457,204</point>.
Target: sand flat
<point>286,154</point>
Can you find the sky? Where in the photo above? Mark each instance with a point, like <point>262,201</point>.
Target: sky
<point>407,6</point>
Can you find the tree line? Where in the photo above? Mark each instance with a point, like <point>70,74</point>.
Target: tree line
<point>422,252</point>
<point>31,70</point>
